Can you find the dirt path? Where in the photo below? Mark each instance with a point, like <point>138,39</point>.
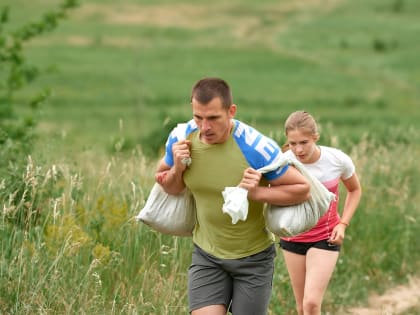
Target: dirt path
<point>393,302</point>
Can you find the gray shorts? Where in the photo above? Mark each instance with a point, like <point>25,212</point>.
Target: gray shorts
<point>242,285</point>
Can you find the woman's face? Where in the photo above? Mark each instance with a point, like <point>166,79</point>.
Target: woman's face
<point>303,145</point>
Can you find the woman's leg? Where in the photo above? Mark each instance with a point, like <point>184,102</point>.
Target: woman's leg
<point>320,264</point>
<point>296,266</point>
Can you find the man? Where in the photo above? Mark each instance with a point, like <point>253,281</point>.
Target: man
<point>232,264</point>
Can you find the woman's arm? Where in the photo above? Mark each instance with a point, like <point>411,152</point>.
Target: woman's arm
<point>354,193</point>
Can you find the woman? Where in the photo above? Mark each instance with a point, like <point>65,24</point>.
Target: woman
<point>311,256</point>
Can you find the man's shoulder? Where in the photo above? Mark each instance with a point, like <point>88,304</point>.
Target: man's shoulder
<point>182,130</point>
<point>240,126</point>
<point>258,149</point>
<point>248,133</point>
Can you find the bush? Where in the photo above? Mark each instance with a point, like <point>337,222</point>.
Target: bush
<point>17,131</point>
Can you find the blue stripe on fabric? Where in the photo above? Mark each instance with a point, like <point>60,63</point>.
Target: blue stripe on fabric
<point>258,149</point>
<point>169,158</point>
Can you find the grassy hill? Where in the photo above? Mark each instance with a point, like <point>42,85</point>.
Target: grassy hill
<point>120,73</point>
<point>121,69</point>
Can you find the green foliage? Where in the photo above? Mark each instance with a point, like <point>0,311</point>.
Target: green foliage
<point>152,143</point>
<point>17,130</point>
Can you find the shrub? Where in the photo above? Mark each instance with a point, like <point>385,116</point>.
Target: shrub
<point>17,130</point>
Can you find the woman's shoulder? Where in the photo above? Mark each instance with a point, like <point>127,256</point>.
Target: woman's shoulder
<point>333,153</point>
<point>338,158</point>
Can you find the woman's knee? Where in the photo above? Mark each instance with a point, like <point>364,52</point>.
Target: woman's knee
<point>311,306</point>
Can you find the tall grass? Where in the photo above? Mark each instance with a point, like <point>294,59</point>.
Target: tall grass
<point>85,254</point>
<point>80,251</point>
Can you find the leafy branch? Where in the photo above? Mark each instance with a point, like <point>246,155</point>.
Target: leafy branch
<point>16,72</point>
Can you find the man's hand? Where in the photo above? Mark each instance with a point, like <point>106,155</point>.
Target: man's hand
<point>250,181</point>
<point>182,155</point>
<point>160,177</point>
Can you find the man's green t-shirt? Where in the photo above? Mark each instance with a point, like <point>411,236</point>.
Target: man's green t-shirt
<point>214,167</point>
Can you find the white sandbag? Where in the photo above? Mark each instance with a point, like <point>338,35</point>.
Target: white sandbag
<point>283,220</point>
<point>169,214</point>
<point>287,221</point>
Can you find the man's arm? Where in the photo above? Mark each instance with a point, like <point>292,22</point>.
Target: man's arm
<point>170,178</point>
<point>289,189</point>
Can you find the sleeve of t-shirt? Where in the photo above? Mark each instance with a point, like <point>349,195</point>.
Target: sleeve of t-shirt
<point>169,158</point>
<point>347,166</point>
<point>180,132</point>
<point>258,149</point>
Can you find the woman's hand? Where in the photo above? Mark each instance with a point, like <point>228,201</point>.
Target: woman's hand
<point>337,235</point>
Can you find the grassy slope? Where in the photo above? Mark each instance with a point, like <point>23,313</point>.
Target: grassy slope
<point>353,64</point>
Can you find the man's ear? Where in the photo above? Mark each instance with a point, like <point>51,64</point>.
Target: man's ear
<point>315,137</point>
<point>232,111</point>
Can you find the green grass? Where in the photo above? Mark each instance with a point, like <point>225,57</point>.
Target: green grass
<point>78,250</point>
<point>119,70</point>
<point>350,64</point>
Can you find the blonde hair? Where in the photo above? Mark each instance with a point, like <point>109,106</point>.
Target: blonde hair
<point>300,120</point>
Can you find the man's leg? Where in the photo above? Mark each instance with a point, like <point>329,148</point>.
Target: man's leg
<point>209,285</point>
<point>252,284</point>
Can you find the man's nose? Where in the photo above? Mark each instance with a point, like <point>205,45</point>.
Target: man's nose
<point>205,125</point>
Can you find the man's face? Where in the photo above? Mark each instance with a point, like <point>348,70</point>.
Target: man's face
<point>213,120</point>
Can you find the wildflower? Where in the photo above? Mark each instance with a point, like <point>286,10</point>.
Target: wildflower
<point>101,253</point>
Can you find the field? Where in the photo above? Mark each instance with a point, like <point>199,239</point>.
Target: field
<point>120,73</point>
<point>132,63</point>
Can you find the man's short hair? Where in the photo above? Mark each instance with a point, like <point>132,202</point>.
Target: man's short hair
<point>207,89</point>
